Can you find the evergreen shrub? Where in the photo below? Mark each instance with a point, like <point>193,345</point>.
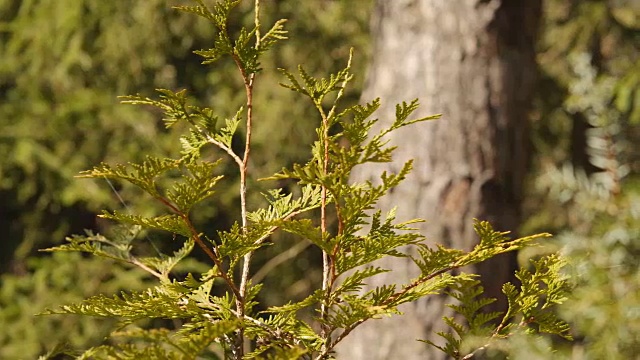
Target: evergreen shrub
<point>215,314</point>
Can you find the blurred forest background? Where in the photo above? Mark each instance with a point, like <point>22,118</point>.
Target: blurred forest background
<point>64,62</point>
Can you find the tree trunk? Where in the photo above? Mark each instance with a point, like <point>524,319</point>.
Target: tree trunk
<point>474,62</point>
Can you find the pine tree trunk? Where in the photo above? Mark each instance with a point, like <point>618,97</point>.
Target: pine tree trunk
<point>474,62</point>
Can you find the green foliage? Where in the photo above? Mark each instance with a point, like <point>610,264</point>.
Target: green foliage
<point>588,171</point>
<point>604,239</point>
<point>63,65</point>
<point>586,103</point>
<point>242,50</point>
<point>58,105</point>
<point>531,311</point>
<point>218,310</point>
<point>30,295</point>
<point>187,344</point>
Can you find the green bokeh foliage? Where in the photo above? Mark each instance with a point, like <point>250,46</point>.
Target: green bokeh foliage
<point>64,62</point>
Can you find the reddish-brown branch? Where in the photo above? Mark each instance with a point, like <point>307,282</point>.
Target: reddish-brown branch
<point>196,237</point>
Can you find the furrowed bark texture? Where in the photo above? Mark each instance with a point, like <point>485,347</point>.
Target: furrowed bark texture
<point>474,62</point>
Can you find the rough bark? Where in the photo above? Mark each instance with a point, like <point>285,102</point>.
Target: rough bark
<point>474,62</point>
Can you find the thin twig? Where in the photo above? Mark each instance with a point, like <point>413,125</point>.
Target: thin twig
<point>153,245</point>
<point>134,261</point>
<point>243,180</point>
<point>222,146</point>
<point>279,259</point>
<point>249,80</point>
